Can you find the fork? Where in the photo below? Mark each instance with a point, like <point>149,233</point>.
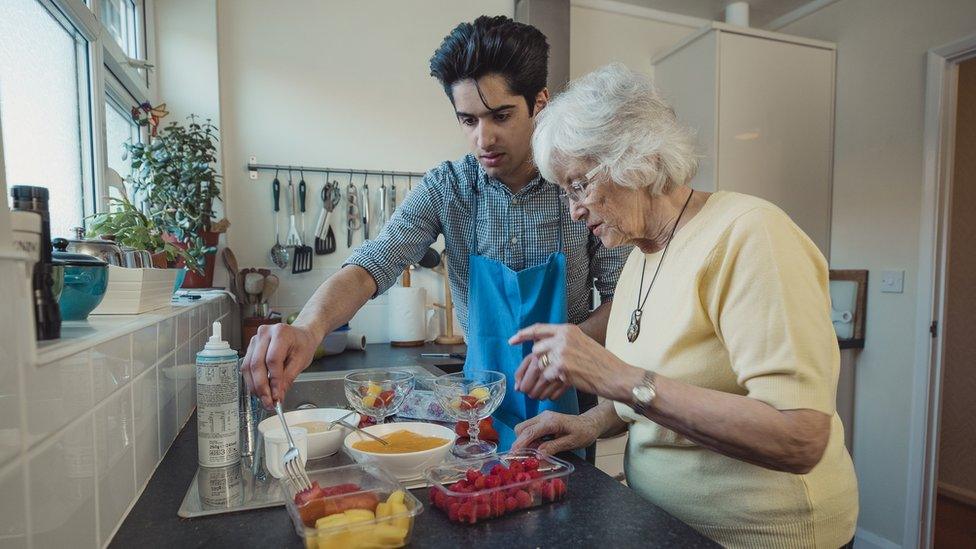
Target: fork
<point>292,460</point>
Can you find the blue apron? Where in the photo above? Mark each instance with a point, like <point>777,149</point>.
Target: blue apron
<point>500,303</point>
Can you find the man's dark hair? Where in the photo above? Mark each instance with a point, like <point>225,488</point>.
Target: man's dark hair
<point>494,45</point>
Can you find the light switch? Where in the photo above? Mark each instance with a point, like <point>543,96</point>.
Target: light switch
<point>892,282</point>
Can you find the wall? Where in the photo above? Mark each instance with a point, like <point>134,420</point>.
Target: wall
<point>957,448</point>
<point>877,190</point>
<point>598,37</point>
<point>186,78</point>
<point>85,422</point>
<point>331,83</point>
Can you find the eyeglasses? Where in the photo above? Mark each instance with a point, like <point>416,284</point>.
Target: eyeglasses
<point>579,189</point>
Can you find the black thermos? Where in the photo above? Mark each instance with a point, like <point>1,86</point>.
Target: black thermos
<point>47,315</point>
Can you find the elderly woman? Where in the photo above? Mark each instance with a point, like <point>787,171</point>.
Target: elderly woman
<point>720,359</point>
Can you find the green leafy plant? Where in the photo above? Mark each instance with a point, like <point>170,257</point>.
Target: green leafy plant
<point>130,227</point>
<point>176,179</point>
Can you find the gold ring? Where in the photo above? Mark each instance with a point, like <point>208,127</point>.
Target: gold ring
<point>544,359</point>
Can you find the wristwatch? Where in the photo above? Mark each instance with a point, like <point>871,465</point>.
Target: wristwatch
<point>643,394</point>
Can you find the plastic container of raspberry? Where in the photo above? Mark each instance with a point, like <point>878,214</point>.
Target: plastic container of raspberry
<point>472,491</point>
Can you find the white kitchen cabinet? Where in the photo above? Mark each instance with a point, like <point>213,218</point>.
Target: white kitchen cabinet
<point>763,106</point>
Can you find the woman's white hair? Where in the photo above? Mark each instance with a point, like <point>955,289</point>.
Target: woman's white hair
<point>618,119</point>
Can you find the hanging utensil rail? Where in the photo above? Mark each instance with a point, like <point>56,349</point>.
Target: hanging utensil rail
<point>343,171</point>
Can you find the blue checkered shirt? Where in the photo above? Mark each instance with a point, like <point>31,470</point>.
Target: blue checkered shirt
<point>521,230</point>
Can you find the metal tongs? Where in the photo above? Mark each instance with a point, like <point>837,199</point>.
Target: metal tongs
<point>324,237</point>
<point>365,208</point>
<point>353,222</point>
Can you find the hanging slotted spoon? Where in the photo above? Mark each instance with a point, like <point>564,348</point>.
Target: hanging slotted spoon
<point>279,253</point>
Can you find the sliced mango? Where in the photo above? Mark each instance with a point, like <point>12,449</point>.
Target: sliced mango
<point>359,515</point>
<point>396,497</point>
<point>331,521</point>
<point>390,536</point>
<point>382,511</point>
<point>397,509</point>
<point>480,393</point>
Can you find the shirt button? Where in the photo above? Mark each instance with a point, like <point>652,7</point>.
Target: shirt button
<point>514,240</point>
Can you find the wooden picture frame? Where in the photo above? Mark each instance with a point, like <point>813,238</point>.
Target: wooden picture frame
<point>860,304</point>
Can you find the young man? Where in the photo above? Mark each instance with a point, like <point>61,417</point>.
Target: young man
<point>516,256</point>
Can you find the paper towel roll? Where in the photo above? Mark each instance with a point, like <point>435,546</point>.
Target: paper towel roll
<point>355,341</point>
<point>408,316</point>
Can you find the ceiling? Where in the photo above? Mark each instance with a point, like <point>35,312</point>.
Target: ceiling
<point>761,12</point>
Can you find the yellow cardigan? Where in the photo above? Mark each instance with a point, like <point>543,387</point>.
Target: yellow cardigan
<point>742,306</point>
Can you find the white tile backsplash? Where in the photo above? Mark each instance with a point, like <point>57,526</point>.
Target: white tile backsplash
<point>56,394</point>
<point>168,409</point>
<point>115,459</point>
<point>196,321</point>
<point>167,336</point>
<point>10,414</point>
<point>144,349</point>
<point>62,489</point>
<point>16,327</point>
<point>111,365</point>
<point>145,423</point>
<point>99,421</point>
<point>182,328</point>
<point>13,516</point>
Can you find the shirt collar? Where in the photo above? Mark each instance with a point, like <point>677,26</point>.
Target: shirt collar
<point>485,181</point>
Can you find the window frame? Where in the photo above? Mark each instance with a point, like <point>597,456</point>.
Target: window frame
<point>109,76</point>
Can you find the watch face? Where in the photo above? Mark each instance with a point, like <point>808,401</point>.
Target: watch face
<point>643,394</point>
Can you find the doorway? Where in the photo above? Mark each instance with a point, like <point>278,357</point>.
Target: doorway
<point>944,360</point>
<point>955,509</point>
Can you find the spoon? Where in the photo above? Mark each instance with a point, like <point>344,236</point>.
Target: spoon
<point>361,432</point>
<point>332,424</point>
<point>279,254</point>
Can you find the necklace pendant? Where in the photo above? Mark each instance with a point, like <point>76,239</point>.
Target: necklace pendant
<point>634,329</point>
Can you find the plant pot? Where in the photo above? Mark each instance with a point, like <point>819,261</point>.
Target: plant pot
<point>159,260</point>
<point>193,279</point>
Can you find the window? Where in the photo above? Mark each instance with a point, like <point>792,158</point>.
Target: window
<point>120,18</point>
<point>120,130</point>
<point>44,102</point>
<point>67,86</point>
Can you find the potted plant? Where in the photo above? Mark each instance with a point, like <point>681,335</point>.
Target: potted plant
<point>128,226</point>
<point>177,182</point>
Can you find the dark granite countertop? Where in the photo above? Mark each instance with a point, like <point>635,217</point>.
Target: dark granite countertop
<point>383,355</point>
<point>597,511</point>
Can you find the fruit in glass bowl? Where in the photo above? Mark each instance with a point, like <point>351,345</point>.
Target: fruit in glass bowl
<point>377,394</point>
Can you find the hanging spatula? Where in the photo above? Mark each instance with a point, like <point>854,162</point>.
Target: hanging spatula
<point>303,254</point>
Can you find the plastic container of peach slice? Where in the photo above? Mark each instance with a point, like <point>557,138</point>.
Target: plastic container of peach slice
<point>355,506</point>
<point>476,490</point>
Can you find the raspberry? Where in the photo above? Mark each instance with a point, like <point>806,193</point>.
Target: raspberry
<point>522,477</point>
<point>493,482</point>
<point>479,484</point>
<point>458,486</point>
<point>452,513</point>
<point>497,469</point>
<point>559,487</point>
<point>472,475</point>
<point>524,499</point>
<point>515,467</point>
<point>484,511</point>
<point>533,473</point>
<point>530,464</point>
<point>466,513</point>
<point>497,504</point>
<point>511,504</point>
